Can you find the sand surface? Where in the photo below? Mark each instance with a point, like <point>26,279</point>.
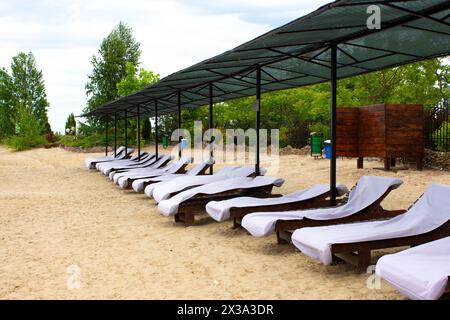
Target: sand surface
<point>58,221</point>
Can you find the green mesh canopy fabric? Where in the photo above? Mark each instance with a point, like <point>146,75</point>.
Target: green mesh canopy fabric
<point>299,54</point>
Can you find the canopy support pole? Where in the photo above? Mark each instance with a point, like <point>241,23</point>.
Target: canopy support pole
<point>139,131</point>
<point>106,136</point>
<point>333,124</point>
<point>156,129</point>
<point>115,134</point>
<point>211,150</point>
<point>258,118</point>
<point>179,124</point>
<point>126,132</point>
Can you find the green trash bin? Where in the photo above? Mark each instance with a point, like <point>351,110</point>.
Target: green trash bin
<point>165,142</point>
<point>316,145</point>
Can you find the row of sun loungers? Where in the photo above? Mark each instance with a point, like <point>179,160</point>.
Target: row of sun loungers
<point>120,154</point>
<point>349,231</point>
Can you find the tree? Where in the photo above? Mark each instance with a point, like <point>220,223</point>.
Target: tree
<point>29,88</point>
<point>71,125</point>
<point>7,110</point>
<point>109,68</point>
<point>135,80</point>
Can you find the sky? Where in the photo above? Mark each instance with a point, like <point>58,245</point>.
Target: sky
<point>174,34</point>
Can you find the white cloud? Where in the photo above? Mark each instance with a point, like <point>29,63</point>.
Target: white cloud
<point>173,34</point>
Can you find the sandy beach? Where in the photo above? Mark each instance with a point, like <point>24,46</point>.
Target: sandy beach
<point>56,216</point>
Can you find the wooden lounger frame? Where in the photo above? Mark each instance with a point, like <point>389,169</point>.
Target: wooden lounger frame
<point>237,213</point>
<point>119,169</point>
<point>359,253</point>
<point>94,163</point>
<point>201,173</point>
<point>284,228</point>
<point>182,169</point>
<point>446,295</point>
<point>188,209</point>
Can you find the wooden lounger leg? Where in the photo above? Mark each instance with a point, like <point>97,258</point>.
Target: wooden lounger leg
<point>187,218</point>
<point>387,164</point>
<point>283,237</point>
<point>237,223</point>
<point>360,163</point>
<point>364,260</point>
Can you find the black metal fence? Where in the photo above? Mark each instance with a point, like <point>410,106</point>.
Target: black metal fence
<point>437,128</point>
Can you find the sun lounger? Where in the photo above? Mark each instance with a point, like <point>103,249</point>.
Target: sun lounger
<point>420,273</point>
<point>170,188</point>
<point>92,161</point>
<point>121,159</point>
<point>236,208</point>
<point>185,179</point>
<point>139,185</point>
<point>363,204</point>
<point>109,167</point>
<point>157,164</point>
<point>134,160</point>
<point>185,204</point>
<point>149,162</point>
<point>426,220</point>
<point>178,166</point>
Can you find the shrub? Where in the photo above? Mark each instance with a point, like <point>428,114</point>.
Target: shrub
<point>28,131</point>
<point>442,137</point>
<point>20,143</point>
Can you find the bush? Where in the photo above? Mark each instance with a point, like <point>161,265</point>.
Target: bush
<point>86,142</point>
<point>442,137</point>
<point>20,143</point>
<point>28,131</point>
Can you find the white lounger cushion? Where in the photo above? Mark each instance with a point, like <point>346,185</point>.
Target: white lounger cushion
<point>165,190</point>
<point>368,190</point>
<point>151,168</point>
<point>428,213</point>
<point>131,164</point>
<point>170,206</point>
<point>220,210</point>
<point>419,273</point>
<point>138,184</point>
<point>170,169</point>
<point>89,162</point>
<point>116,162</point>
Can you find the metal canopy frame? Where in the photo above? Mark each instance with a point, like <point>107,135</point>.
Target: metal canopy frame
<point>328,44</point>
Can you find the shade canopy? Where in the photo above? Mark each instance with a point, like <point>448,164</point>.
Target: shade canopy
<point>299,54</point>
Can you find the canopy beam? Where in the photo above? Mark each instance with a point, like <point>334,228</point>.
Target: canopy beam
<point>156,130</point>
<point>115,134</point>
<point>211,140</point>
<point>179,126</point>
<point>333,123</point>
<point>258,118</point>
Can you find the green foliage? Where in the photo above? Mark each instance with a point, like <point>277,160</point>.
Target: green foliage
<point>29,88</point>
<point>23,104</point>
<point>109,68</point>
<point>85,142</point>
<point>71,125</point>
<point>7,110</point>
<point>135,79</point>
<point>29,131</point>
<point>146,129</point>
<point>442,137</point>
